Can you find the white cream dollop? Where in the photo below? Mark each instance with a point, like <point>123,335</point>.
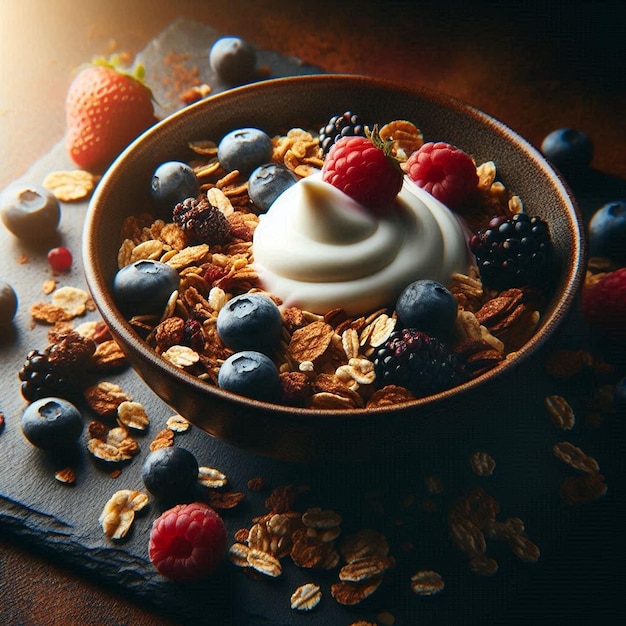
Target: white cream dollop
<point>318,249</point>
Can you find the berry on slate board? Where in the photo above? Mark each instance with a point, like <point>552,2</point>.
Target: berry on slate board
<point>39,378</point>
<point>60,259</point>
<point>619,394</point>
<point>187,542</point>
<point>59,370</point>
<point>513,252</point>
<point>338,126</point>
<point>233,59</point>
<point>604,305</point>
<point>418,362</point>
<point>30,212</point>
<point>8,302</point>
<point>106,108</point>
<point>52,423</point>
<point>607,232</point>
<point>570,150</point>
<point>444,171</point>
<point>363,168</point>
<point>170,474</point>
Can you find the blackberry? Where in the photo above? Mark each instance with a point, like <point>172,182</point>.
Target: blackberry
<point>420,363</point>
<point>513,252</point>
<point>340,126</point>
<point>202,221</point>
<point>60,370</point>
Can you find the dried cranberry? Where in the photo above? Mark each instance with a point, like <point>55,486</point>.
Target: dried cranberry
<point>193,335</point>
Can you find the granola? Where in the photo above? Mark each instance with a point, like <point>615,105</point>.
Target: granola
<point>574,457</point>
<point>70,186</point>
<point>119,512</point>
<point>313,541</point>
<point>482,463</point>
<point>306,597</point>
<point>113,445</point>
<point>473,519</point>
<point>490,326</point>
<point>427,583</point>
<point>560,412</point>
<point>104,398</point>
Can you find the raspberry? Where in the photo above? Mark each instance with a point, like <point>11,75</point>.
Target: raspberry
<point>444,171</point>
<point>365,171</point>
<point>604,305</point>
<point>187,542</point>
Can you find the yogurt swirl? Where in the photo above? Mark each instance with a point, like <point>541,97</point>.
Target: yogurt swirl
<point>318,249</point>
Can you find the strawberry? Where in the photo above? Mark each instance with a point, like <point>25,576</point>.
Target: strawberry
<point>444,171</point>
<point>363,168</point>
<point>604,304</point>
<point>105,109</point>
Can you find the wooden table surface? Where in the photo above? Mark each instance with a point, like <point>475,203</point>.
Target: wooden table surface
<point>534,70</point>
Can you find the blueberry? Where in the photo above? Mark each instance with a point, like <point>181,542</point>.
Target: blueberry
<point>267,182</point>
<point>607,232</point>
<point>173,182</point>
<point>251,374</point>
<point>52,423</point>
<point>244,149</point>
<point>250,321</point>
<point>30,212</point>
<point>428,306</point>
<point>170,473</point>
<point>233,60</point>
<point>568,149</point>
<point>144,286</point>
<point>619,394</point>
<point>8,302</point>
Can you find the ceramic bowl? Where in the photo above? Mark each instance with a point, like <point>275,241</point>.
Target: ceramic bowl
<point>308,101</point>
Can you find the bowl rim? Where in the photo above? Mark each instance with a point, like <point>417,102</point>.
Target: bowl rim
<point>572,279</point>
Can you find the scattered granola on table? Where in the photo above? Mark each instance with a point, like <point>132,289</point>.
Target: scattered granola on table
<point>427,583</point>
<point>119,512</point>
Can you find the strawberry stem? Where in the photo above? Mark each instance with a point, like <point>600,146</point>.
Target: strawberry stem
<point>116,62</point>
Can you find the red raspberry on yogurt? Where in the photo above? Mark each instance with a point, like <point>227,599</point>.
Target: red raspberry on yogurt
<point>444,171</point>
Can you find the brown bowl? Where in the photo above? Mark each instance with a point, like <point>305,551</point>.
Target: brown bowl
<point>308,101</point>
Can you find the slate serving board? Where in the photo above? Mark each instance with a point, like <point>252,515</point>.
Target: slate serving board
<point>579,573</point>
